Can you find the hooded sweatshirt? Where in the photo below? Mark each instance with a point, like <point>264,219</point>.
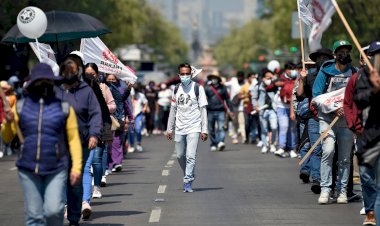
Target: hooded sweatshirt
<point>330,79</point>
<point>86,107</point>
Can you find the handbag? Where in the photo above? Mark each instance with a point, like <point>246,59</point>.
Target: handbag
<point>115,123</point>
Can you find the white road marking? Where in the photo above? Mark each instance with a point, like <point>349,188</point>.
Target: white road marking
<point>155,215</point>
<point>13,169</point>
<point>170,162</point>
<point>166,166</point>
<point>165,172</point>
<point>174,155</point>
<point>161,189</point>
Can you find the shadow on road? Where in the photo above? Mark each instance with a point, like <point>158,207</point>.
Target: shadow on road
<point>100,214</point>
<point>105,224</point>
<point>104,203</point>
<point>115,195</point>
<point>207,189</point>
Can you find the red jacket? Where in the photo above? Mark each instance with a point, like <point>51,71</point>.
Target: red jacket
<point>351,112</point>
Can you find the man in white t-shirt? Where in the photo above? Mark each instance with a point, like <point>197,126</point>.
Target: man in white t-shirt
<point>188,118</point>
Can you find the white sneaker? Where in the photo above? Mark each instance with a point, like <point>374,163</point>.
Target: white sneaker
<point>260,144</point>
<point>324,197</point>
<point>272,148</point>
<point>279,152</point>
<point>213,148</point>
<point>108,172</point>
<point>139,148</point>
<point>362,211</point>
<point>96,194</point>
<point>131,149</point>
<point>264,150</point>
<point>117,168</point>
<point>1,154</point>
<point>293,154</point>
<point>235,141</point>
<point>86,210</point>
<point>221,146</point>
<point>342,198</point>
<point>103,182</point>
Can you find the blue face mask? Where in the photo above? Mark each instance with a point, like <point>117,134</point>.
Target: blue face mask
<point>185,79</point>
<point>294,73</point>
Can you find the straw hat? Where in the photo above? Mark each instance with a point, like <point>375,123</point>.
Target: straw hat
<point>214,74</point>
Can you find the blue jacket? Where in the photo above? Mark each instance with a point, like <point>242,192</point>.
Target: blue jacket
<point>43,124</point>
<point>87,109</point>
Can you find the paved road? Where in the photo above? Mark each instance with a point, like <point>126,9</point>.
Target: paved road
<point>239,186</point>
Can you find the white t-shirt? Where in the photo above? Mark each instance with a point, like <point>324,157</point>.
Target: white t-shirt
<point>188,117</point>
<point>139,100</point>
<point>164,97</point>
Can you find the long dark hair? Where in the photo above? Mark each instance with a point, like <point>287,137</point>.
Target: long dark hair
<point>93,66</point>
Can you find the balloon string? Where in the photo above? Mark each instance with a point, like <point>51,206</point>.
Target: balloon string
<point>38,50</point>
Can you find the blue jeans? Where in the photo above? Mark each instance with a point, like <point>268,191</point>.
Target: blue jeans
<point>312,165</point>
<point>44,197</point>
<point>136,130</point>
<point>345,140</point>
<point>186,148</point>
<point>216,117</point>
<point>368,183</point>
<point>287,129</point>
<point>305,167</point>
<point>377,203</point>
<point>94,160</point>
<point>268,117</point>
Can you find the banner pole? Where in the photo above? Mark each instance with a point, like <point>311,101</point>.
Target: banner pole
<point>301,35</point>
<point>353,37</point>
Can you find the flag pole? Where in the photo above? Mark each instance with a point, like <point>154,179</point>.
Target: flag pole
<point>301,35</point>
<point>353,37</point>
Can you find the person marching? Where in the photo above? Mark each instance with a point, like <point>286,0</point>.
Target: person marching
<point>188,119</point>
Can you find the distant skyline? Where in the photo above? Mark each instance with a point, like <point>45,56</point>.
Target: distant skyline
<point>207,20</point>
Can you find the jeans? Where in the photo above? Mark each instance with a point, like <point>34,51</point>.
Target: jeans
<point>268,116</point>
<point>345,140</point>
<point>216,117</point>
<point>186,149</point>
<point>305,167</point>
<point>107,147</point>
<point>368,183</point>
<point>251,124</point>
<point>377,203</point>
<point>94,160</point>
<point>136,130</point>
<point>287,129</point>
<point>75,192</point>
<point>44,197</point>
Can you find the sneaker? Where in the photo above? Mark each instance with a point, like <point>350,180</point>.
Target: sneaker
<point>65,212</point>
<point>108,172</point>
<point>86,210</point>
<point>264,150</point>
<point>74,223</point>
<point>279,152</point>
<point>103,182</point>
<point>221,146</point>
<point>139,148</point>
<point>316,187</point>
<point>187,187</point>
<point>272,148</point>
<point>304,176</point>
<point>96,194</point>
<point>131,149</point>
<point>235,141</point>
<point>285,155</point>
<point>370,219</point>
<point>213,148</point>
<point>1,154</point>
<point>259,144</point>
<point>293,154</point>
<point>324,197</point>
<point>117,168</point>
<point>342,198</point>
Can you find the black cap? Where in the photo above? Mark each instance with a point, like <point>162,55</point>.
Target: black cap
<point>321,51</point>
<point>374,48</point>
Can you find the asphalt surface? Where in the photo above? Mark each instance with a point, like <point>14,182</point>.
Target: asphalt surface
<point>239,186</point>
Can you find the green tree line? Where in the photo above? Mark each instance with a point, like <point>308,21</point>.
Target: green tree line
<point>131,22</point>
<point>273,31</point>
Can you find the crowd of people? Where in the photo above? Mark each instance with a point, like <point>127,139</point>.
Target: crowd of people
<point>73,130</point>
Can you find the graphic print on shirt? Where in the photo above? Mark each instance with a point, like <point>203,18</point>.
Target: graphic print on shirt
<point>184,100</point>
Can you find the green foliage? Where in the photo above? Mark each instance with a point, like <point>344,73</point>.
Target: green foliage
<point>131,22</point>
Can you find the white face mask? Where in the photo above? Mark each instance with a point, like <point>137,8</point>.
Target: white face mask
<point>267,82</point>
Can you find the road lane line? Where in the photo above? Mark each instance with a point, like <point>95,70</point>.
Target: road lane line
<point>155,215</point>
<point>161,189</point>
<point>13,168</point>
<point>170,162</point>
<point>165,172</point>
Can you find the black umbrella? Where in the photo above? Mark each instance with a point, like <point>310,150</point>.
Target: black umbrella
<point>62,26</point>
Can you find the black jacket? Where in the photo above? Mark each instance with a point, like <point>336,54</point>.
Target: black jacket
<point>214,104</point>
<point>365,97</point>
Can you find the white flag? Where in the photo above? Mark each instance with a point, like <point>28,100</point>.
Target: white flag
<point>45,54</point>
<point>305,13</point>
<point>322,11</point>
<point>95,51</point>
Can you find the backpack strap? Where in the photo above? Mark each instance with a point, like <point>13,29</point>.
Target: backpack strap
<point>196,89</point>
<point>176,88</point>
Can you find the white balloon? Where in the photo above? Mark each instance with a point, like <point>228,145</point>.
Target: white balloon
<point>273,65</point>
<point>32,22</point>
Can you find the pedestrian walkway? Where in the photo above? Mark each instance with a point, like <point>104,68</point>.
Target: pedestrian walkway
<point>239,186</point>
